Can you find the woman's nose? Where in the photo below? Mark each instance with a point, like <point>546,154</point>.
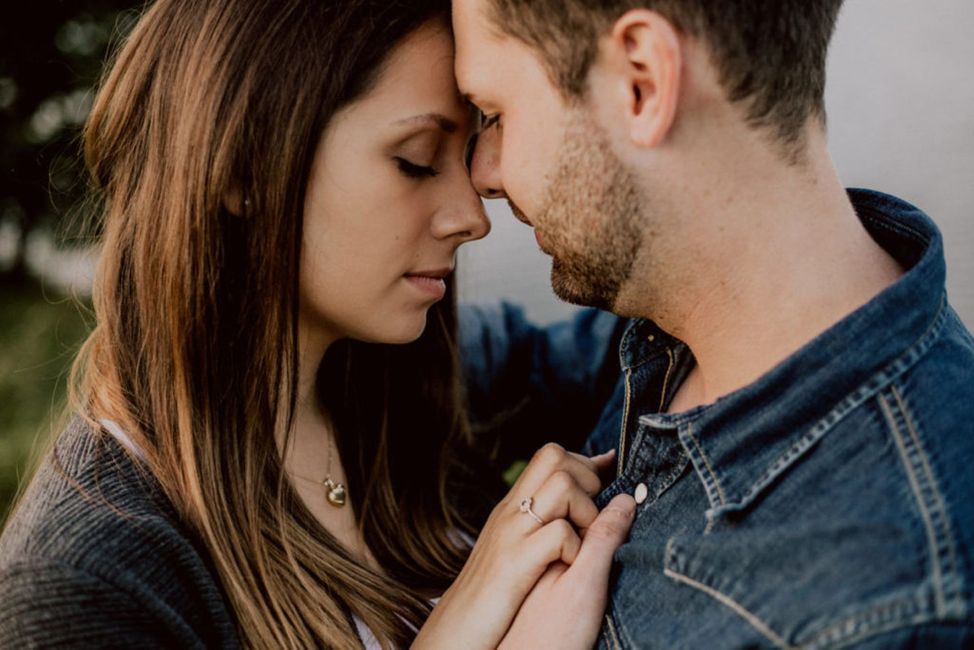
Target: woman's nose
<point>464,218</point>
<point>485,168</point>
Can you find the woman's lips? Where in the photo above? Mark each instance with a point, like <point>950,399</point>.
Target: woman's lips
<point>431,283</point>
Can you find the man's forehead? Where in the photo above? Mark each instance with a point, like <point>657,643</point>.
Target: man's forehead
<point>470,42</point>
<point>467,10</point>
<point>479,45</point>
<point>472,22</point>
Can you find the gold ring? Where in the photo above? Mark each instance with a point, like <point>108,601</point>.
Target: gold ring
<point>526,504</point>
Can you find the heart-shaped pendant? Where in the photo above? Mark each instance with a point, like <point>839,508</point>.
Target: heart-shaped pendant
<point>336,493</point>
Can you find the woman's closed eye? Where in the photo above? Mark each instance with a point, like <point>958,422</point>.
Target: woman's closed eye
<point>469,151</point>
<point>412,170</point>
<point>486,123</point>
<point>489,121</point>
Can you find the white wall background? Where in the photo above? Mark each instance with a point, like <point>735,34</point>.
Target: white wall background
<point>901,119</point>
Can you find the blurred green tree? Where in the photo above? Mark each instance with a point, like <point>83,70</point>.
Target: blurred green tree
<point>51,57</point>
<point>52,53</point>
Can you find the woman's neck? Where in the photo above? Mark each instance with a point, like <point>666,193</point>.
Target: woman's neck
<point>311,454</point>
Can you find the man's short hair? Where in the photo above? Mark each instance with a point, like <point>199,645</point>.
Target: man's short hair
<point>770,54</point>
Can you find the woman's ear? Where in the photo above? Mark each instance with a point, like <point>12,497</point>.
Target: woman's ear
<point>644,54</point>
<point>234,201</point>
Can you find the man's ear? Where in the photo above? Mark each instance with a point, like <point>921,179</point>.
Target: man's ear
<point>644,55</point>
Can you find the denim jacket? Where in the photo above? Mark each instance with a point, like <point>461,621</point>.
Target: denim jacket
<point>830,504</point>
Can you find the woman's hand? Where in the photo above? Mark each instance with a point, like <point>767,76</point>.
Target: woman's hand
<point>564,610</point>
<point>514,550</point>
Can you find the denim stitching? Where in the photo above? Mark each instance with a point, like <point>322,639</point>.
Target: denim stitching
<point>896,227</point>
<point>816,433</point>
<point>620,464</point>
<point>908,456</point>
<point>611,638</point>
<point>873,386</point>
<point>876,620</point>
<point>899,229</point>
<point>623,638</point>
<point>734,606</point>
<point>763,628</point>
<point>710,478</point>
<point>666,379</point>
<point>966,335</point>
<point>947,544</point>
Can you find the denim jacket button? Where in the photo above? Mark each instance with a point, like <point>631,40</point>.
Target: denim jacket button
<point>641,493</point>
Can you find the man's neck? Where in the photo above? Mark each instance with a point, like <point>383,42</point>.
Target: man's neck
<point>789,260</point>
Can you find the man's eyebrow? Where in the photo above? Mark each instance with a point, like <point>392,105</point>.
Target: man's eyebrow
<point>441,121</point>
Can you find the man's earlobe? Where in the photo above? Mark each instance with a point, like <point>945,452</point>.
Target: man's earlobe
<point>653,63</point>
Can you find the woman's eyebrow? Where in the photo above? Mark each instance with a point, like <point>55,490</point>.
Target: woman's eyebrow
<point>437,119</point>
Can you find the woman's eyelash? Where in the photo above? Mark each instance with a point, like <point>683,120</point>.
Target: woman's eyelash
<point>489,120</point>
<point>486,122</point>
<point>413,170</point>
<point>469,151</point>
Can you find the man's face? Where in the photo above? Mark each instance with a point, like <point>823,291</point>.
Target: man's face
<point>551,161</point>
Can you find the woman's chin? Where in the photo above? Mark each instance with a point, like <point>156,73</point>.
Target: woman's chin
<point>397,332</point>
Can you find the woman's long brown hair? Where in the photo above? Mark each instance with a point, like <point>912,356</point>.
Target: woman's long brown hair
<point>217,103</point>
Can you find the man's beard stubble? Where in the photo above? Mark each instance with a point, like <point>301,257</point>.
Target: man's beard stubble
<point>591,220</point>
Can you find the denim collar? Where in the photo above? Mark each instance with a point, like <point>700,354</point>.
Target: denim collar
<point>741,442</point>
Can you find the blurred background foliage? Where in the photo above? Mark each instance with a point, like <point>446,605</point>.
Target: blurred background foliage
<point>52,54</point>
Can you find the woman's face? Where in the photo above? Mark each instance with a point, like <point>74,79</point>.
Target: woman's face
<point>389,200</point>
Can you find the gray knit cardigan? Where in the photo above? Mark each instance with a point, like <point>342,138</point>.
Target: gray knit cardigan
<point>96,557</point>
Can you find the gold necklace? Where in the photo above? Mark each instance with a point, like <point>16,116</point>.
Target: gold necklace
<point>335,491</point>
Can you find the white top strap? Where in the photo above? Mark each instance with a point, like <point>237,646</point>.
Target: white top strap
<point>122,437</point>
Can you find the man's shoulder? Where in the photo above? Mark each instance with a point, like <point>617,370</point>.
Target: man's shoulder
<point>879,517</point>
<point>862,539</point>
<point>929,410</point>
<point>867,539</point>
<point>944,375</point>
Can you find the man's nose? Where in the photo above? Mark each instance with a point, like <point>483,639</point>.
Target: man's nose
<point>485,165</point>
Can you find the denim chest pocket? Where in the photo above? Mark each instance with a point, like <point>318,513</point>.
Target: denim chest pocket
<point>803,591</point>
<point>844,546</point>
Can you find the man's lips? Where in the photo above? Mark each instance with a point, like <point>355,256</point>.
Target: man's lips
<point>523,218</point>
